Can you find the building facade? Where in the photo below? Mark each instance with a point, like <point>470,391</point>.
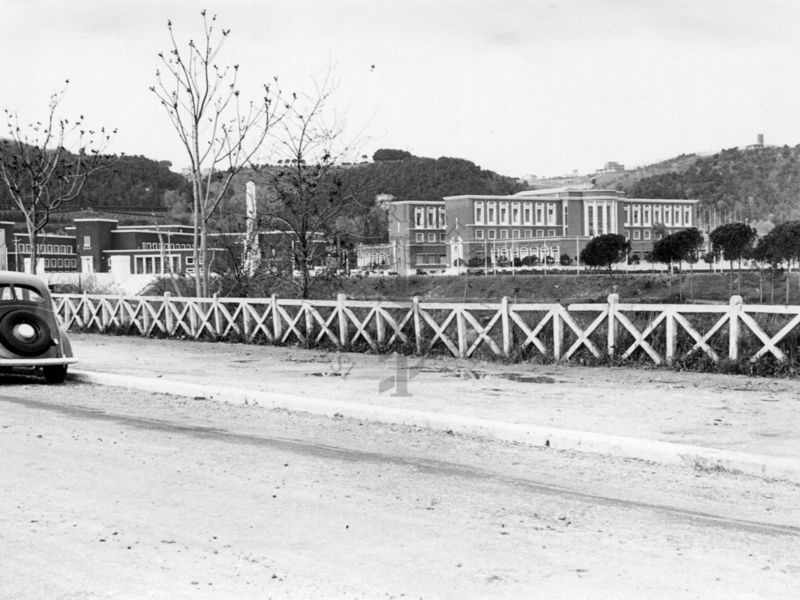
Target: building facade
<point>549,223</point>
<point>479,230</point>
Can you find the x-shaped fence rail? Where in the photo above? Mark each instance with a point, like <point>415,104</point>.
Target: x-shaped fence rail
<point>656,333</point>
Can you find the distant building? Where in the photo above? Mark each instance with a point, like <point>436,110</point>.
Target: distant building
<point>416,239</point>
<point>549,223</point>
<point>103,246</point>
<point>611,167</point>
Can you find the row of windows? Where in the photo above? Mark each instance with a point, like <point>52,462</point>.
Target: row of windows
<point>516,213</point>
<point>46,248</point>
<point>491,234</point>
<point>432,212</point>
<point>430,259</point>
<point>60,263</point>
<point>647,215</point>
<point>431,237</point>
<point>516,252</point>
<point>168,246</point>
<point>154,264</point>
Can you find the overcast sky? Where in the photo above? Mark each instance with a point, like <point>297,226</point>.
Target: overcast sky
<point>517,86</point>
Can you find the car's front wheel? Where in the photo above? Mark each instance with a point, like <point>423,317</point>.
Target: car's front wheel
<point>55,373</point>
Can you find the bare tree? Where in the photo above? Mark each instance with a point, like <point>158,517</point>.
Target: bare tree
<point>44,164</point>
<point>219,132</point>
<point>308,188</point>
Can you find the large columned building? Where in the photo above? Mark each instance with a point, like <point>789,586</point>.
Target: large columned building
<point>551,222</point>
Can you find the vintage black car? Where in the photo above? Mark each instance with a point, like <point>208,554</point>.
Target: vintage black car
<point>30,335</point>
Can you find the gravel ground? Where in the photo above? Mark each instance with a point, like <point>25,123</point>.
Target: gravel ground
<point>113,493</point>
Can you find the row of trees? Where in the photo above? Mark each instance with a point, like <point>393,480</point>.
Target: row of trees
<point>733,242</point>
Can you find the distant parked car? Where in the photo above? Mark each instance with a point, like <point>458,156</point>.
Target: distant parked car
<point>30,336</point>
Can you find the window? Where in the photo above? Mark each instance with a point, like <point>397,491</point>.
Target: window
<point>87,242</point>
<point>516,214</point>
<point>60,263</point>
<point>504,234</point>
<point>647,234</point>
<point>441,237</point>
<point>527,214</point>
<point>504,213</point>
<point>646,216</point>
<point>419,217</point>
<point>442,218</point>
<point>677,220</point>
<point>637,234</point>
<point>527,233</point>
<point>667,215</point>
<point>539,214</point>
<point>539,232</point>
<point>551,233</point>
<point>657,214</point>
<point>431,217</point>
<point>627,211</point>
<point>491,213</point>
<point>479,234</point>
<point>636,213</point>
<point>627,234</point>
<point>420,237</point>
<point>687,216</point>
<point>73,262</point>
<point>479,213</point>
<point>492,234</point>
<point>515,234</point>
<point>432,237</point>
<point>551,213</point>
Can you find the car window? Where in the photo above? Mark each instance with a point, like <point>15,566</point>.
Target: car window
<point>29,294</point>
<point>19,292</point>
<point>6,292</point>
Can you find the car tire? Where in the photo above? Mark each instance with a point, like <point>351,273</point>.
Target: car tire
<point>54,373</point>
<point>38,344</point>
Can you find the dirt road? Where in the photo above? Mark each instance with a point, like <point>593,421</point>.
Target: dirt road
<point>110,493</point>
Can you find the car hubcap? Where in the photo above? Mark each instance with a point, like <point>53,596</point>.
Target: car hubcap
<point>25,332</point>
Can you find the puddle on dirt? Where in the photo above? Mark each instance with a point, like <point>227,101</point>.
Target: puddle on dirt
<point>321,374</point>
<point>520,377</point>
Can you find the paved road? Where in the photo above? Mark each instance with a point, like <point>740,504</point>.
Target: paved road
<point>111,493</point>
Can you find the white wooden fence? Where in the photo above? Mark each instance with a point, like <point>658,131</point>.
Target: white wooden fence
<point>656,333</point>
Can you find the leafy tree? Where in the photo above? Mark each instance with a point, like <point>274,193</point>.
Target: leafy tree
<point>45,164</point>
<point>681,246</point>
<point>565,260</point>
<point>781,244</point>
<point>605,251</point>
<point>530,261</point>
<point>219,132</point>
<point>388,154</point>
<point>734,241</point>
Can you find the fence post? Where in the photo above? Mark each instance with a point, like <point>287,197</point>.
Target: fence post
<point>276,319</point>
<point>86,312</point>
<point>558,332</point>
<point>246,320</point>
<point>145,306</point>
<point>613,299</point>
<point>167,314</point>
<point>672,342</point>
<point>417,323</point>
<point>123,313</point>
<point>461,328</point>
<point>342,316</point>
<point>309,320</point>
<point>217,315</point>
<point>734,329</point>
<point>380,328</point>
<point>506,326</point>
<point>67,305</point>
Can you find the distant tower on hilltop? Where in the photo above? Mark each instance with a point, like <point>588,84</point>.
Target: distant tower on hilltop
<point>760,139</point>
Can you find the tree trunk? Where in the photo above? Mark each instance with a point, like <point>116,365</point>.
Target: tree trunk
<point>196,234</point>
